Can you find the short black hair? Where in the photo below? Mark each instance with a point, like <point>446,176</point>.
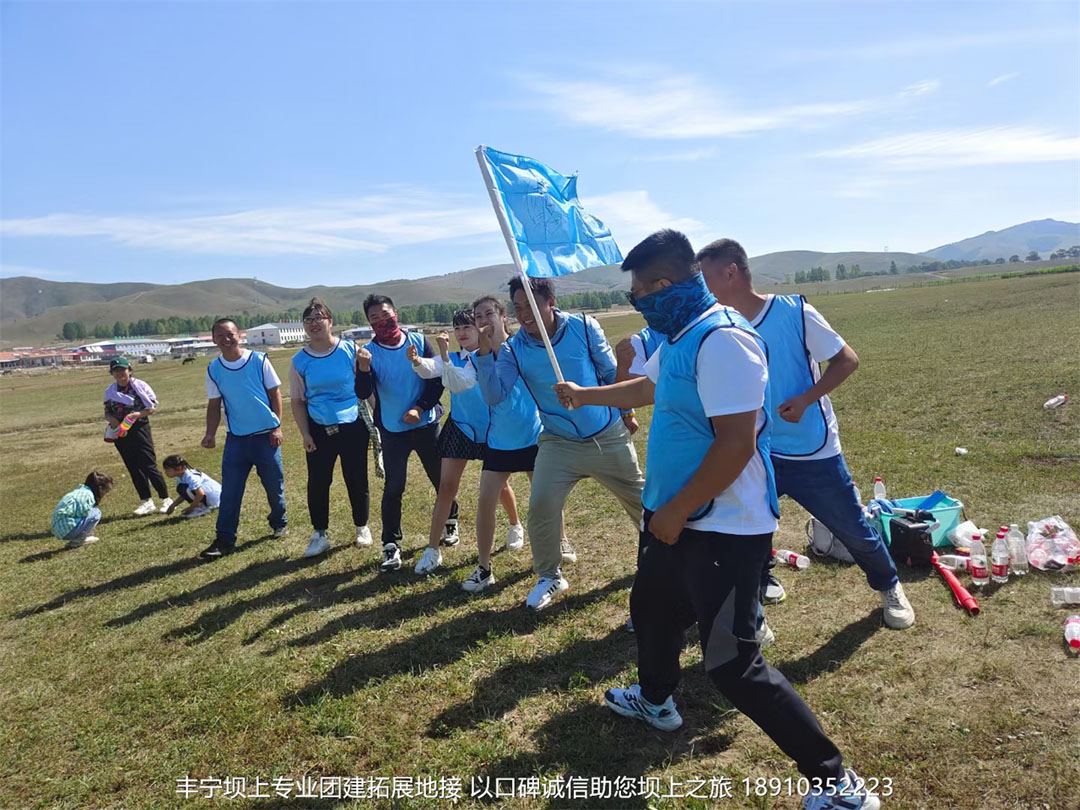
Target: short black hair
<point>726,251</point>
<point>375,300</point>
<point>98,483</point>
<point>541,287</point>
<point>665,254</point>
<point>464,317</point>
<point>221,321</point>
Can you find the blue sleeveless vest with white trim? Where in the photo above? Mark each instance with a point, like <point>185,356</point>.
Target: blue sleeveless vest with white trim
<point>243,393</point>
<point>330,384</point>
<point>680,433</point>
<point>571,346</point>
<point>397,386</point>
<point>792,372</point>
<point>468,409</point>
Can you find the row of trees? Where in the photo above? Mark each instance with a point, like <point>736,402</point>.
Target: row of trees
<point>420,313</point>
<point>815,274</point>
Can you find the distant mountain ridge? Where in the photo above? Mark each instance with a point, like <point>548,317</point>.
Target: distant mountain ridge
<point>32,311</point>
<point>1041,235</point>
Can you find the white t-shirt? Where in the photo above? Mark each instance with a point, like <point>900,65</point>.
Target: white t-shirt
<point>637,365</point>
<point>823,343</point>
<point>742,508</point>
<point>270,377</point>
<point>194,479</point>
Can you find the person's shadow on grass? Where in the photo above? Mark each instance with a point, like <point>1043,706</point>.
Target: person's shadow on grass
<point>438,646</point>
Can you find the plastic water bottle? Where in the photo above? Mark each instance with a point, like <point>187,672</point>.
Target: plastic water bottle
<point>999,557</point>
<point>979,573</point>
<point>1072,633</point>
<point>1056,402</point>
<point>1018,561</point>
<point>1060,597</point>
<point>879,488</point>
<point>792,558</point>
<point>955,562</point>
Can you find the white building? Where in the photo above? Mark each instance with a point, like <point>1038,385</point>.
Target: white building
<point>276,334</point>
<point>359,333</point>
<point>128,346</point>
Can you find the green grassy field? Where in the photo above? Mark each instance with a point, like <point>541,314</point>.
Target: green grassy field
<point>128,664</point>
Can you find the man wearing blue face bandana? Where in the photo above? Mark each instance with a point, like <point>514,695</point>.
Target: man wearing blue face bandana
<point>710,511</point>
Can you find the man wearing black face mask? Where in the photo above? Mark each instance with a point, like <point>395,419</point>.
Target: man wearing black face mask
<point>406,414</point>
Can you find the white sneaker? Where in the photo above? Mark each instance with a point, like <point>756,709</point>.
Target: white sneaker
<point>630,703</point>
<point>764,635</point>
<point>568,553</point>
<point>515,537</point>
<point>429,561</point>
<point>391,558</point>
<point>546,589</point>
<point>145,508</point>
<point>319,544</point>
<point>363,536</point>
<point>90,539</point>
<point>198,511</point>
<point>478,580</point>
<point>81,541</point>
<point>850,794</point>
<point>899,614</point>
<point>450,536</point>
<point>282,532</point>
<point>165,504</point>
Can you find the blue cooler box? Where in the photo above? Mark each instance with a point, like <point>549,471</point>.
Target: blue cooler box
<point>947,512</point>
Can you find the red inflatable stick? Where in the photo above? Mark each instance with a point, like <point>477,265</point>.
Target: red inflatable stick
<point>960,593</point>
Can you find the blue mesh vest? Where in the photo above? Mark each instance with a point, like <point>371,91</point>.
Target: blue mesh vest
<point>468,409</point>
<point>680,433</point>
<point>247,405</point>
<point>571,345</point>
<point>397,386</point>
<point>650,341</point>
<point>330,384</point>
<point>515,422</point>
<point>791,372</point>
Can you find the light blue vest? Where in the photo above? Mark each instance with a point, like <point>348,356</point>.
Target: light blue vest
<point>791,372</point>
<point>650,341</point>
<point>680,433</point>
<point>571,344</point>
<point>397,386</point>
<point>247,405</point>
<point>515,423</point>
<point>468,409</point>
<point>330,384</point>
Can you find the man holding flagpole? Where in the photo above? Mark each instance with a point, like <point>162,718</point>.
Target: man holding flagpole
<point>549,234</point>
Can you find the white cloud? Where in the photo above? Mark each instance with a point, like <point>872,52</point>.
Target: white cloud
<point>633,215</point>
<point>371,224</point>
<point>945,43</point>
<point>920,88</point>
<point>674,107</point>
<point>1004,77</point>
<point>965,147</point>
<point>690,156</point>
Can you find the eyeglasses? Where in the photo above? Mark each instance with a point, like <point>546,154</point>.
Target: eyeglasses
<point>314,319</point>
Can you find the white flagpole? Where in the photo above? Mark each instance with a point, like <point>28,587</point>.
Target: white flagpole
<point>504,223</point>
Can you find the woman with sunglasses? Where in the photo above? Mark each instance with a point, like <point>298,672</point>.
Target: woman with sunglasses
<point>326,409</point>
<point>463,434</point>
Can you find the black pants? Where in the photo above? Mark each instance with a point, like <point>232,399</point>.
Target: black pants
<point>350,444</point>
<point>137,450</point>
<point>713,579</point>
<point>184,493</point>
<point>396,449</point>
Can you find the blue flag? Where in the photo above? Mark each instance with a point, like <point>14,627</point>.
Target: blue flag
<point>553,233</point>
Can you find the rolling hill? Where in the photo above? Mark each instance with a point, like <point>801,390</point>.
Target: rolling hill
<point>1042,235</point>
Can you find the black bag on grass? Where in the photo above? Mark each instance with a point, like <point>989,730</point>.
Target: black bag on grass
<point>912,541</point>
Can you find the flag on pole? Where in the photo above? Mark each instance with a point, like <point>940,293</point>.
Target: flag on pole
<point>542,219</point>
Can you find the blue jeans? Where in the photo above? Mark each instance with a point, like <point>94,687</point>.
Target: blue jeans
<point>89,523</point>
<point>824,489</point>
<point>240,455</point>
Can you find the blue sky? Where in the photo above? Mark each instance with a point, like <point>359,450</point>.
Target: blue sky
<point>332,143</point>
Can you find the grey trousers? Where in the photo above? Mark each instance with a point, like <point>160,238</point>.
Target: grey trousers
<point>609,457</point>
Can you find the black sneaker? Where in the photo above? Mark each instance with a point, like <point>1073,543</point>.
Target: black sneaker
<point>772,593</point>
<point>391,558</point>
<point>450,534</point>
<point>215,551</point>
